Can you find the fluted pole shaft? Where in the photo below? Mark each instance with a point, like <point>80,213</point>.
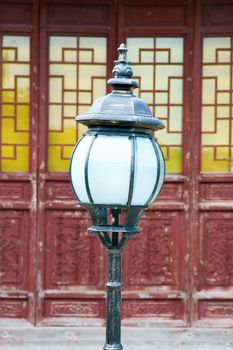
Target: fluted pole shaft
<point>114,285</point>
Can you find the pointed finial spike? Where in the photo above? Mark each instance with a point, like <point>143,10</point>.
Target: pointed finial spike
<point>122,49</point>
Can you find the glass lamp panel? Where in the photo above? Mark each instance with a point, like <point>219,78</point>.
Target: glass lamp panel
<point>77,168</point>
<point>161,172</point>
<point>146,171</point>
<point>109,169</point>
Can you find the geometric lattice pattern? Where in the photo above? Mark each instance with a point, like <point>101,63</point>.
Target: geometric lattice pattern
<point>14,103</point>
<point>217,105</point>
<point>158,67</point>
<point>77,76</point>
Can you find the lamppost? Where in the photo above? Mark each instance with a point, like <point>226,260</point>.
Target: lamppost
<point>116,171</point>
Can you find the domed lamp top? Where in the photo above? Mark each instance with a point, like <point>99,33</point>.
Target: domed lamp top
<point>121,107</point>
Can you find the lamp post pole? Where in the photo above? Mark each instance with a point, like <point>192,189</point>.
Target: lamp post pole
<point>114,285</point>
<point>116,171</point>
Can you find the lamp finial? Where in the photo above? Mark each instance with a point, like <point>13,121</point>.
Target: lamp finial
<point>122,67</point>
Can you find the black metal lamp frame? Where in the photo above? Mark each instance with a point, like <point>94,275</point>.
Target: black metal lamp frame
<point>118,113</point>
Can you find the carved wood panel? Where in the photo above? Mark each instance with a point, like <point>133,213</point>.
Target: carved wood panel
<point>72,256</point>
<point>13,249</point>
<point>217,255</point>
<point>153,256</point>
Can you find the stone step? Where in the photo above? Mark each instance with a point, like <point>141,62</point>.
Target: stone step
<point>92,338</point>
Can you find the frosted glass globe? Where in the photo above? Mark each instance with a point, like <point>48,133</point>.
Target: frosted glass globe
<point>119,170</point>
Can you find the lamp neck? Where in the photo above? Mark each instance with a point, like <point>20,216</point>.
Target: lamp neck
<point>124,131</point>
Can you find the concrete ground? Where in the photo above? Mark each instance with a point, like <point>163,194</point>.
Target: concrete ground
<point>132,338</point>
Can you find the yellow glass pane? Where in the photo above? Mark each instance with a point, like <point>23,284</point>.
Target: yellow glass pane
<point>67,136</point>
<point>22,45</point>
<point>161,98</point>
<point>210,45</point>
<point>55,117</point>
<point>220,137</point>
<point>147,56</point>
<point>209,165</point>
<point>86,72</point>
<point>208,91</point>
<point>136,44</point>
<point>175,120</point>
<point>68,72</point>
<point>223,112</point>
<point>22,91</point>
<point>70,111</point>
<point>99,87</point>
<point>10,71</point>
<point>85,55</point>
<point>15,121</point>
<point>223,98</point>
<point>146,73</point>
<point>58,43</point>
<point>22,120</point>
<point>8,96</point>
<point>83,109</point>
<point>55,90</point>
<point>174,163</point>
<point>70,97</point>
<point>81,130</point>
<point>8,55</point>
<point>163,73</point>
<point>8,110</point>
<point>20,164</point>
<point>224,56</point>
<point>162,56</point>
<point>176,91</point>
<point>70,55</point>
<point>8,152</point>
<point>175,45</point>
<point>56,163</point>
<point>222,153</point>
<point>221,73</point>
<point>147,97</point>
<point>168,138</point>
<point>99,46</point>
<point>9,135</point>
<point>67,151</point>
<point>84,97</point>
<point>161,111</point>
<point>217,128</point>
<point>208,119</point>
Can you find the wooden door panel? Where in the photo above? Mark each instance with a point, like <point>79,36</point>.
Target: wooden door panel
<point>14,259</point>
<point>72,257</point>
<point>211,237</point>
<point>77,40</point>
<point>18,158</point>
<point>215,278</point>
<point>155,257</point>
<point>156,289</point>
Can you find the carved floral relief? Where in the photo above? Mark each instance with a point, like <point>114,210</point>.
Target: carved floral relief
<point>10,251</point>
<point>218,252</point>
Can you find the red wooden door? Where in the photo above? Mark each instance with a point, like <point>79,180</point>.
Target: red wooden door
<point>18,160</point>
<point>54,63</point>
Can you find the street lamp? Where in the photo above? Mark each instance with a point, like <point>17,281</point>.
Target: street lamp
<point>116,171</point>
